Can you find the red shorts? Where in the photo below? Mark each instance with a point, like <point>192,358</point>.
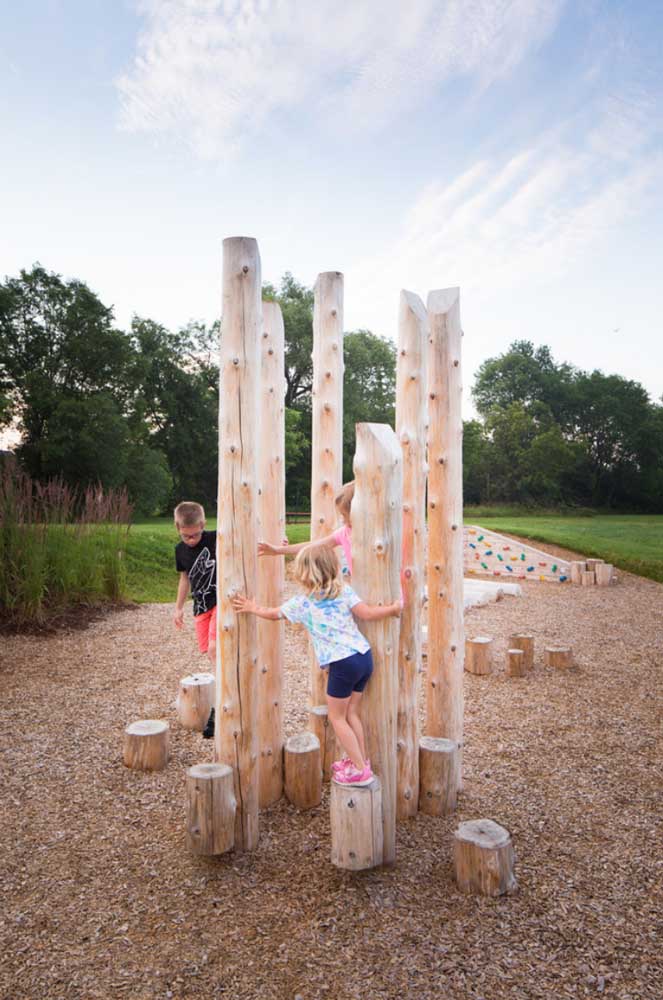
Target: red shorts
<point>205,629</point>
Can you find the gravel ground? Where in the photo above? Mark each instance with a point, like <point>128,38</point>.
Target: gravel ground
<point>99,898</point>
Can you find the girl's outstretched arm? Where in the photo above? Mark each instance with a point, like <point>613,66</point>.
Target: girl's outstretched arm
<point>374,612</point>
<point>267,549</point>
<point>247,606</point>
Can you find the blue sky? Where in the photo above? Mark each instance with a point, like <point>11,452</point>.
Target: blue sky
<point>512,148</point>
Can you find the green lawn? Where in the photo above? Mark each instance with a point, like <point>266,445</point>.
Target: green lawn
<point>634,543</point>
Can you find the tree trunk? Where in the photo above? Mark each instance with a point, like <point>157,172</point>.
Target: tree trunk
<point>438,768</point>
<point>327,424</point>
<point>558,656</point>
<point>588,578</point>
<point>479,655</point>
<point>515,663</point>
<point>376,540</point>
<point>578,567</point>
<point>593,563</point>
<point>356,826</point>
<point>195,700</point>
<point>303,770</point>
<point>271,572</point>
<point>320,725</point>
<point>484,858</point>
<point>236,741</point>
<point>604,574</point>
<point>411,427</point>
<point>524,641</point>
<point>210,809</point>
<point>444,695</point>
<point>146,745</point>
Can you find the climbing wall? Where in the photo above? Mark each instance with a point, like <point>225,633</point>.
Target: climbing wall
<point>487,553</point>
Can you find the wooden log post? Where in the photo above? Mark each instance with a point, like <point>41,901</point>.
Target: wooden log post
<point>195,700</point>
<point>411,428</point>
<point>376,543</point>
<point>303,770</point>
<point>320,725</point>
<point>146,745</point>
<point>524,641</point>
<point>578,567</point>
<point>437,769</point>
<point>327,424</point>
<point>446,644</point>
<point>271,572</point>
<point>604,574</point>
<point>356,826</point>
<point>236,741</point>
<point>560,657</point>
<point>588,578</point>
<point>484,858</point>
<point>593,563</point>
<point>210,809</point>
<point>479,655</point>
<point>515,663</point>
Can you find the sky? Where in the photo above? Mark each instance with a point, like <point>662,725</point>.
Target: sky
<point>511,147</point>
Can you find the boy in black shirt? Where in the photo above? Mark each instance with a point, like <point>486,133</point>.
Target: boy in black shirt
<point>195,559</point>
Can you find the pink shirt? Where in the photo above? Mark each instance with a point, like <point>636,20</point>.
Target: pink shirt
<point>343,537</point>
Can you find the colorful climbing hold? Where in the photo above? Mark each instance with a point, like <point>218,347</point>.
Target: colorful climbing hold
<point>472,531</point>
<point>522,556</point>
<point>506,548</point>
<point>514,558</point>
<point>500,557</point>
<point>480,538</point>
<point>496,572</point>
<point>509,569</point>
<point>484,565</point>
<point>489,552</point>
<point>562,579</point>
<point>543,564</point>
<point>542,577</point>
<point>472,545</point>
<point>530,569</point>
<point>554,567</point>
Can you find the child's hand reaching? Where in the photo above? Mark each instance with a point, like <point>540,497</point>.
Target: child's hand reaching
<point>397,608</point>
<point>244,605</point>
<point>267,549</point>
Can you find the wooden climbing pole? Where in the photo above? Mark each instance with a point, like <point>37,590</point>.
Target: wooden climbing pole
<point>376,545</point>
<point>327,423</point>
<point>271,572</point>
<point>444,694</point>
<point>411,425</point>
<point>236,740</point>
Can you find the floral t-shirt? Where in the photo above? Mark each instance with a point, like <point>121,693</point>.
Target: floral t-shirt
<point>332,626</point>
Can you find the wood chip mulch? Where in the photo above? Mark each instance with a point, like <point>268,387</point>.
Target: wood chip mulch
<point>100,899</point>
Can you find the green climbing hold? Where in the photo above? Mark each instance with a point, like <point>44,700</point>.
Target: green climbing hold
<point>554,567</point>
<point>500,557</point>
<point>522,556</point>
<point>484,565</point>
<point>480,538</point>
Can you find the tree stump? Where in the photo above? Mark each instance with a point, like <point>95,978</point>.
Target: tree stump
<point>558,656</point>
<point>438,767</point>
<point>578,567</point>
<point>146,745</point>
<point>210,809</point>
<point>484,858</point>
<point>320,725</point>
<point>303,770</point>
<point>524,641</point>
<point>515,663</point>
<point>603,574</point>
<point>588,578</point>
<point>478,655</point>
<point>593,563</point>
<point>195,700</point>
<point>357,840</point>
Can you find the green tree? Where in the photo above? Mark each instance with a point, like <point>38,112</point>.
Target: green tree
<point>296,303</point>
<point>528,376</point>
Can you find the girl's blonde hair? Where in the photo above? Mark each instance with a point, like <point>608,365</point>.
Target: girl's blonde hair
<point>343,500</point>
<point>317,570</point>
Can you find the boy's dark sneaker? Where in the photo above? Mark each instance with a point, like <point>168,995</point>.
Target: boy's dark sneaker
<point>208,731</point>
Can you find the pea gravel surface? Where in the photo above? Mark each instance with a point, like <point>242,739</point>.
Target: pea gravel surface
<point>100,899</point>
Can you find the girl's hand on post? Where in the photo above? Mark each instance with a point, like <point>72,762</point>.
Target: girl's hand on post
<point>243,605</point>
<point>397,609</point>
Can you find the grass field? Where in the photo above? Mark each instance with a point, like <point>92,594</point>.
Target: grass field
<point>631,542</point>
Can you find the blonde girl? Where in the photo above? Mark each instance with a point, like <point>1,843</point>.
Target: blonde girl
<point>328,608</point>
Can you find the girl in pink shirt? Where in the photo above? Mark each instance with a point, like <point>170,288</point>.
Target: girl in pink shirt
<point>342,536</point>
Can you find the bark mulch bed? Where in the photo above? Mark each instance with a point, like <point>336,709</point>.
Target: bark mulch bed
<point>99,898</point>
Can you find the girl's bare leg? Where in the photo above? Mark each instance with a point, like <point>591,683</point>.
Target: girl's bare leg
<point>338,711</point>
<point>354,720</point>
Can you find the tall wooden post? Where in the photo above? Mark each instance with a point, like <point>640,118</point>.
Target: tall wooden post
<point>444,695</point>
<point>236,742</point>
<point>411,424</point>
<point>376,545</point>
<point>327,427</point>
<point>271,573</point>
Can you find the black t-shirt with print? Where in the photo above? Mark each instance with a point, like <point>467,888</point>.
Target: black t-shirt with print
<point>199,562</point>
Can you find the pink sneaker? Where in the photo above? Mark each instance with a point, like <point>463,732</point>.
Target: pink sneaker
<point>351,776</point>
<point>340,765</point>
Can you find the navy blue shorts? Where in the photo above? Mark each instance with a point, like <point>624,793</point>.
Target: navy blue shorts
<point>350,674</point>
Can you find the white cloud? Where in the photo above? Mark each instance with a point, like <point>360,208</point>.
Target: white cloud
<point>212,71</point>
